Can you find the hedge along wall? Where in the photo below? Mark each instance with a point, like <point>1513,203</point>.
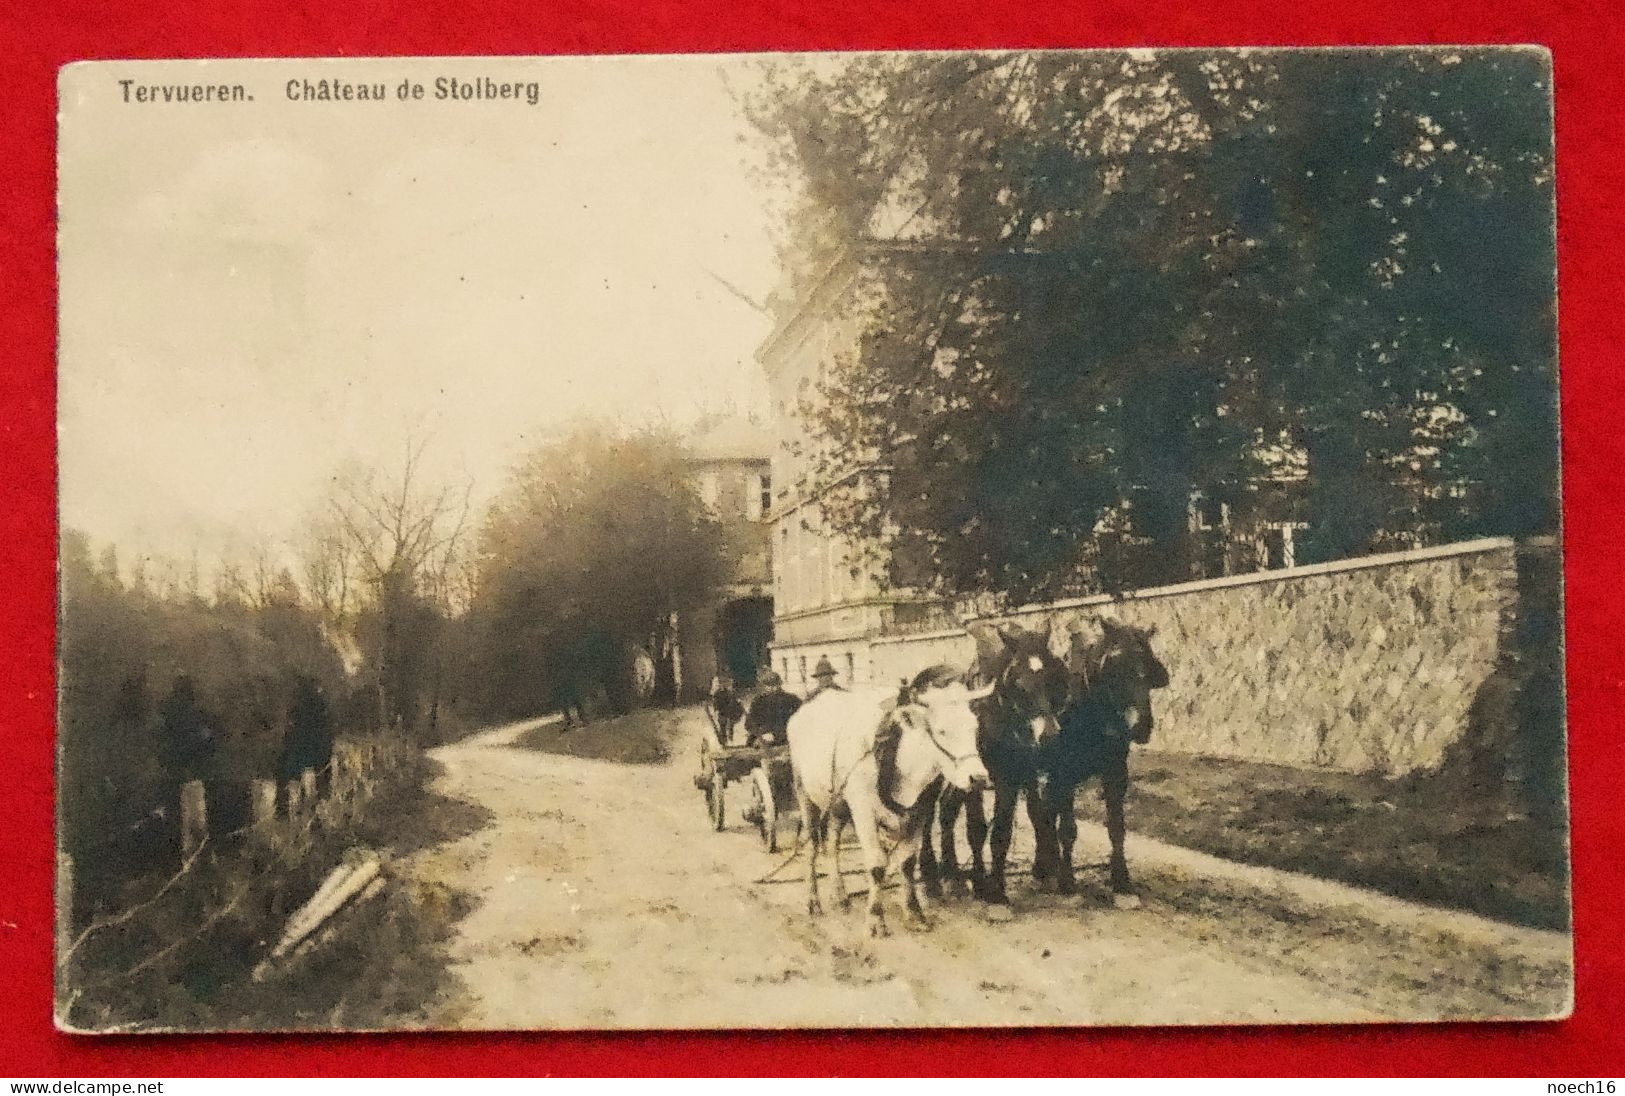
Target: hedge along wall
<point>1387,663</point>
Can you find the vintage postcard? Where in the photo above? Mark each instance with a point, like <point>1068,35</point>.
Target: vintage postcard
<point>830,540</point>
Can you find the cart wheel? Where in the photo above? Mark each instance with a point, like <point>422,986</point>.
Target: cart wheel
<point>764,810</point>
<point>713,798</point>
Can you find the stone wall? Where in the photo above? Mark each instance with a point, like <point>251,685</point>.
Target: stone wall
<point>1385,663</point>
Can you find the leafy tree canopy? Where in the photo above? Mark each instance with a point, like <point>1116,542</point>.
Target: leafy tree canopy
<point>1101,276</point>
<point>598,540</point>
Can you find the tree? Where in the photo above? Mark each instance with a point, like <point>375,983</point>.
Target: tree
<point>1091,280</point>
<point>595,545</point>
<point>380,562</point>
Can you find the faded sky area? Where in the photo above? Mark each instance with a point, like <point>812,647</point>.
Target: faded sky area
<point>256,294</point>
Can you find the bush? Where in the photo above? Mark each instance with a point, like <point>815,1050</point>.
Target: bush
<point>129,735</point>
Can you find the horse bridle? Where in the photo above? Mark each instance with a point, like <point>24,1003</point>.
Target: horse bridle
<point>1112,702</point>
<point>930,736</point>
<point>1000,699</point>
<point>1107,650</point>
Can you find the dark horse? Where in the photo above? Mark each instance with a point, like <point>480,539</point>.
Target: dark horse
<point>1113,676</point>
<point>1014,725</point>
<point>1051,726</point>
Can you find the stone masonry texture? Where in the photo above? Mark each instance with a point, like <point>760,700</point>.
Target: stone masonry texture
<point>1370,668</point>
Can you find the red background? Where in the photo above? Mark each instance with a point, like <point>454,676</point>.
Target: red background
<point>1583,35</point>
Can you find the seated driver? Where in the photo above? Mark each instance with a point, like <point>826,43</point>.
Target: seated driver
<point>769,717</point>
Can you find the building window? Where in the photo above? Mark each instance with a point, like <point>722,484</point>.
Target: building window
<point>794,565</point>
<point>758,497</point>
<point>710,491</point>
<point>781,569</point>
<point>1277,544</point>
<point>1209,513</point>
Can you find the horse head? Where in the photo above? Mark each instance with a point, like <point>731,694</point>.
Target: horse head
<point>1030,685</point>
<point>946,718</point>
<point>1118,666</point>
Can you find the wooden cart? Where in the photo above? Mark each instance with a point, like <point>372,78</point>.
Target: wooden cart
<point>771,786</point>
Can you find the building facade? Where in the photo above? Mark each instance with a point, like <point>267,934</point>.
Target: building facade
<point>729,633</point>
<point>830,600</point>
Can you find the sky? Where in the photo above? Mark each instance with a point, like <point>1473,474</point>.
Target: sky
<point>257,295</point>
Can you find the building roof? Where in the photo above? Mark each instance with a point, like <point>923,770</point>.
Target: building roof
<point>731,438</point>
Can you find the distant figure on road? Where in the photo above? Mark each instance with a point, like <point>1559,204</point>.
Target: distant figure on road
<point>727,707</point>
<point>770,712</point>
<point>824,674</point>
<point>568,700</point>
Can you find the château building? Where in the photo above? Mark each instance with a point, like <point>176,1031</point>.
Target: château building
<point>829,597</point>
<point>729,461</point>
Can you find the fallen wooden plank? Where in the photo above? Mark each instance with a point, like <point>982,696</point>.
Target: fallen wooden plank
<point>342,884</point>
<point>308,915</point>
<point>319,933</point>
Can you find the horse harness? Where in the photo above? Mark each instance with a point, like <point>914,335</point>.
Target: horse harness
<point>903,714</point>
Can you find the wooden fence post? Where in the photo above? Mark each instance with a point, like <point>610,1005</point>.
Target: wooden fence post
<point>194,818</point>
<point>336,774</point>
<point>262,805</point>
<point>296,794</point>
<point>346,777</point>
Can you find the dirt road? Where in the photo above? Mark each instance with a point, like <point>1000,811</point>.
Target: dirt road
<point>604,900</point>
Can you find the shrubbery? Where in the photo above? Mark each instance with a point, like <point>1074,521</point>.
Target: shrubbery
<point>127,652</point>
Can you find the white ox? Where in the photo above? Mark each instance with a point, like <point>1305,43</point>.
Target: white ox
<point>865,755</point>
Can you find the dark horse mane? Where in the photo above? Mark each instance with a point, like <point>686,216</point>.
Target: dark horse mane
<point>1097,715</point>
<point>1088,660</point>
<point>890,734</point>
<point>932,677</point>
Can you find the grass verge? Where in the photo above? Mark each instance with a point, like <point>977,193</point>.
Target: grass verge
<point>1443,841</point>
<point>381,963</point>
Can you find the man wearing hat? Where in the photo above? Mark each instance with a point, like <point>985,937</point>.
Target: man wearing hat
<point>769,717</point>
<point>824,674</point>
<point>726,706</point>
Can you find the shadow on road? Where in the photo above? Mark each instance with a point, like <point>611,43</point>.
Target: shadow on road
<point>417,816</point>
<point>646,737</point>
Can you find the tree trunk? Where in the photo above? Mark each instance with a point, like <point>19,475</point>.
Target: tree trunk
<point>1347,503</point>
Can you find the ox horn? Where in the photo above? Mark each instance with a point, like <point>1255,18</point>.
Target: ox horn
<point>982,693</point>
